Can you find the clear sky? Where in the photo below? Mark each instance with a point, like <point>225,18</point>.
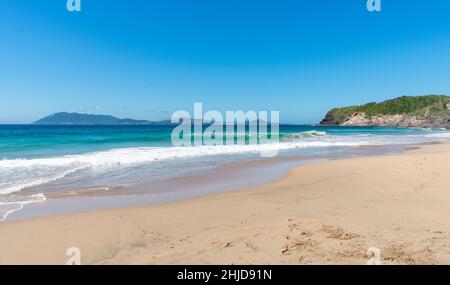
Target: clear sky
<point>146,58</point>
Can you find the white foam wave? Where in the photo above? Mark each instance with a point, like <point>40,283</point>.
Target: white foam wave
<point>11,204</point>
<point>307,134</point>
<point>18,174</point>
<point>439,135</point>
<point>146,154</point>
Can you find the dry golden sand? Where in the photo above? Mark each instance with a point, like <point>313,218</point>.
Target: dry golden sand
<point>324,213</point>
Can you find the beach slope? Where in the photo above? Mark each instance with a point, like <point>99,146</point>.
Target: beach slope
<point>324,213</point>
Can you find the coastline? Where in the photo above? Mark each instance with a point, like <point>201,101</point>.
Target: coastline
<point>232,176</point>
<point>322,213</point>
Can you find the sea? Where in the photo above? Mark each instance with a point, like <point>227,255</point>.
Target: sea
<point>36,160</point>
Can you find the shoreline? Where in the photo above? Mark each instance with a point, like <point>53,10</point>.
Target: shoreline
<point>229,177</point>
<point>327,212</point>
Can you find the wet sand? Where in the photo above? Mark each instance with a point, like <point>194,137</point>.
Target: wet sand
<point>322,213</point>
<point>227,177</point>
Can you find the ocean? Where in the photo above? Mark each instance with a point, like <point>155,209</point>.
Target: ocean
<point>38,160</point>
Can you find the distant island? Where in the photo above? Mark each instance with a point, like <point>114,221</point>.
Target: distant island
<point>431,111</point>
<point>65,118</point>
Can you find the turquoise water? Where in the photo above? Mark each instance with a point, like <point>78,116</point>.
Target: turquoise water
<point>26,141</point>
<point>29,141</point>
<point>36,160</point>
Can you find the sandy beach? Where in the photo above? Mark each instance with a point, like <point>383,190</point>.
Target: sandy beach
<point>322,213</point>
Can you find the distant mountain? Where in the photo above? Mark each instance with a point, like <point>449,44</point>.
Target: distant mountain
<point>431,111</point>
<point>64,118</point>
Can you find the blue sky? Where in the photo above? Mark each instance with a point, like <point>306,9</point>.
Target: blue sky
<point>146,58</point>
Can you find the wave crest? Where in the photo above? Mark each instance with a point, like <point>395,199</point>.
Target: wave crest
<point>307,134</point>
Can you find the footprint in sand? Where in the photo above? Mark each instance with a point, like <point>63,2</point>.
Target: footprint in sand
<point>339,233</point>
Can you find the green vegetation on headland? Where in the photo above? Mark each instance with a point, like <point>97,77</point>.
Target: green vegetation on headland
<point>406,105</point>
<point>406,111</point>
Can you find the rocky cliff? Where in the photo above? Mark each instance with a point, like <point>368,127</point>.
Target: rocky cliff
<point>432,111</point>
